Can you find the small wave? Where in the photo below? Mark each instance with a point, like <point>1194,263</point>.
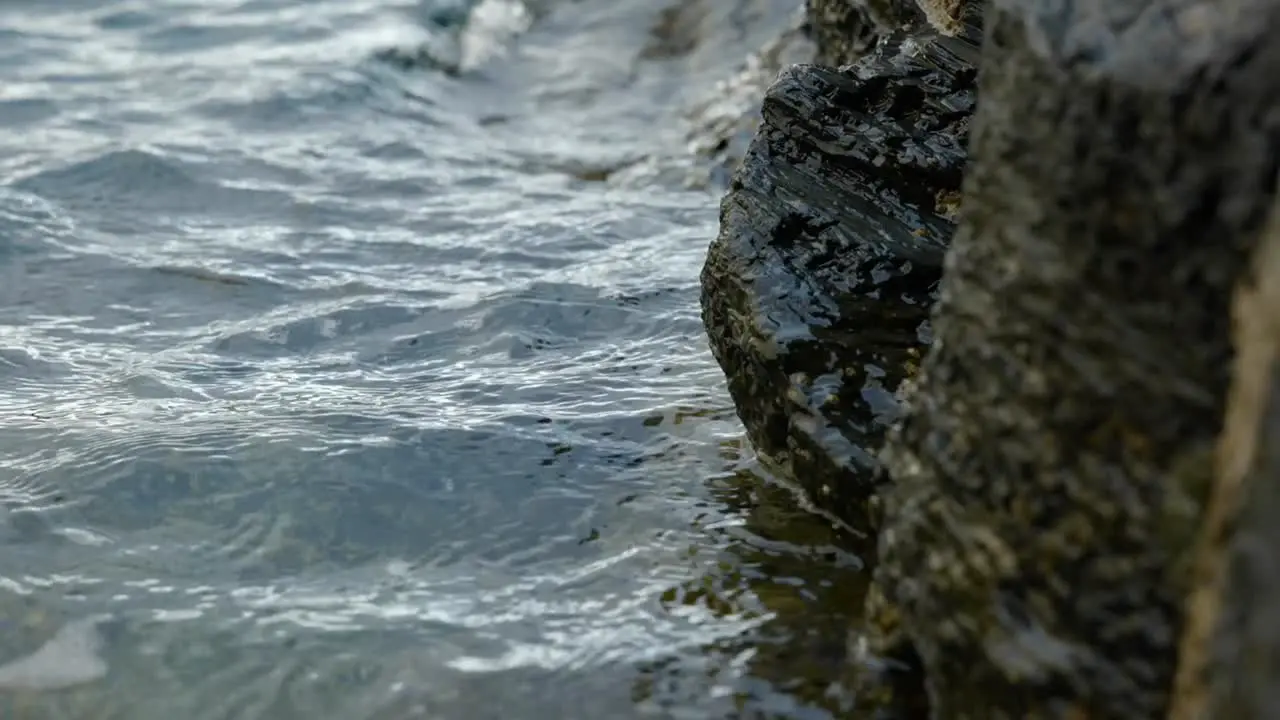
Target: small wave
<point>464,35</point>
<point>139,181</point>
<point>351,391</point>
<point>25,492</point>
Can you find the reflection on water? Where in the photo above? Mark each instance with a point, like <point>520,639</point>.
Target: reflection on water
<point>744,611</point>
<point>351,367</point>
<point>798,576</point>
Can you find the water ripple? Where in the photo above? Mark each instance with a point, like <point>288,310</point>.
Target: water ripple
<point>337,379</point>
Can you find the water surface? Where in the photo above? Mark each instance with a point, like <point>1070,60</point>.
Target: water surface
<point>351,367</point>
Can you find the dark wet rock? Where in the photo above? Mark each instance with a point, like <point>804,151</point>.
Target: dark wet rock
<point>1056,488</point>
<point>1051,474</point>
<point>833,33</point>
<point>845,30</point>
<point>817,290</point>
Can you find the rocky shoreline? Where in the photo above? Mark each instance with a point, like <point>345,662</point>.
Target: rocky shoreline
<point>972,292</point>
<point>817,291</point>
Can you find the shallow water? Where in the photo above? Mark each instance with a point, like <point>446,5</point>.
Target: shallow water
<point>351,367</point>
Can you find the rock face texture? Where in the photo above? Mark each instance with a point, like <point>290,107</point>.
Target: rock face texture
<point>817,290</point>
<point>1050,477</point>
<point>1070,516</point>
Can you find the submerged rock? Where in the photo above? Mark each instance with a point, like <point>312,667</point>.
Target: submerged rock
<point>816,292</point>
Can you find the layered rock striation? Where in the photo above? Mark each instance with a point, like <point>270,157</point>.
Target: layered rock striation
<point>816,293</point>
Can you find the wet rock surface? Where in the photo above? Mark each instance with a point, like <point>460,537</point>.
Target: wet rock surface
<point>816,292</point>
